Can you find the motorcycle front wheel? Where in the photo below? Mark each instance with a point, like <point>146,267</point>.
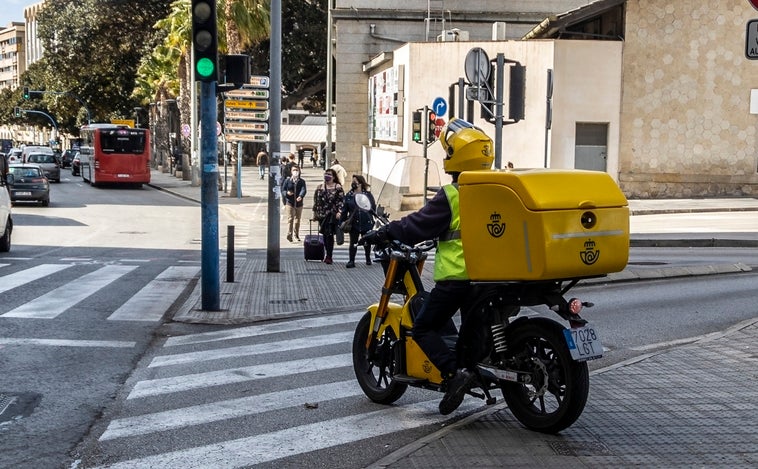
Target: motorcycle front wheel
<point>558,392</point>
<point>375,374</point>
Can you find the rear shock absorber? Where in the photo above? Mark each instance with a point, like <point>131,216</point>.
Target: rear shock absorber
<point>498,338</point>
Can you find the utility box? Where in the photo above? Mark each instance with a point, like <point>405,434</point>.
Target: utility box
<point>542,224</point>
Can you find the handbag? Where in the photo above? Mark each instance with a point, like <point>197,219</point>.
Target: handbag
<point>340,237</point>
<point>347,225</point>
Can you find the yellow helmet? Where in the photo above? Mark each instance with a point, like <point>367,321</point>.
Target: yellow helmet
<point>468,148</point>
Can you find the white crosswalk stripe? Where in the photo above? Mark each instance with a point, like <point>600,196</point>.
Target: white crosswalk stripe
<point>149,304</point>
<point>53,303</point>
<point>152,301</point>
<point>11,281</point>
<point>238,413</point>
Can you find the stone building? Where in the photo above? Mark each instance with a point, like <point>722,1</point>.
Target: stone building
<point>682,125</point>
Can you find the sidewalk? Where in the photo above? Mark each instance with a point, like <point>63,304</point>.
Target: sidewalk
<point>690,405</point>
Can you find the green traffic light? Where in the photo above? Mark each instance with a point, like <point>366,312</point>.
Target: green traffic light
<point>205,67</point>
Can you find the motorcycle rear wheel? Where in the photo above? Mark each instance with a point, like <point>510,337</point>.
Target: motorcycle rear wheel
<point>551,406</point>
<point>375,375</point>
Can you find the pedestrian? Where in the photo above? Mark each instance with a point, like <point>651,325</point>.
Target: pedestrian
<point>287,165</point>
<point>360,222</point>
<point>340,170</point>
<point>321,155</point>
<point>293,193</point>
<point>262,161</point>
<point>300,156</point>
<point>327,209</point>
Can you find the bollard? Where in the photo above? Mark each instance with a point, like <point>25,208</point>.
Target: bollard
<point>230,253</point>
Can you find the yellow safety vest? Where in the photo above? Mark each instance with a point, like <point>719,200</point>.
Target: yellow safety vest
<point>449,263</point>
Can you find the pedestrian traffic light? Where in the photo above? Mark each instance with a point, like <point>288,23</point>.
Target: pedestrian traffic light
<point>26,92</point>
<point>416,126</point>
<point>431,133</point>
<point>17,111</point>
<point>205,39</point>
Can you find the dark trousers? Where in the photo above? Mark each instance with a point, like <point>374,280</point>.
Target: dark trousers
<point>435,320</point>
<point>353,249</point>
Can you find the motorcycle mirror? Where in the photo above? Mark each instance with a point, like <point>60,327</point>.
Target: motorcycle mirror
<point>363,202</point>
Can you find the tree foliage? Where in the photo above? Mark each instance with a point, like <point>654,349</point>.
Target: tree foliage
<point>303,54</point>
<point>92,51</point>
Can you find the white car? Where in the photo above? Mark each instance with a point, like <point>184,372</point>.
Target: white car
<point>6,222</point>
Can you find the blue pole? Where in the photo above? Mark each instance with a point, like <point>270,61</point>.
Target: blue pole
<point>210,286</point>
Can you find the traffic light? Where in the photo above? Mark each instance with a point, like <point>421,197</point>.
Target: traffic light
<point>17,111</point>
<point>416,126</point>
<point>205,39</point>
<point>26,92</point>
<point>430,134</point>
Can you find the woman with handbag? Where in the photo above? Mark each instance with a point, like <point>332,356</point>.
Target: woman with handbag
<point>327,208</point>
<point>355,221</point>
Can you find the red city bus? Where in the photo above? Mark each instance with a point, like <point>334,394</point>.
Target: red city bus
<point>111,153</point>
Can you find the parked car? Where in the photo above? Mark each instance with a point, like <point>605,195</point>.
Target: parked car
<point>48,163</point>
<point>6,220</point>
<point>76,165</point>
<point>28,183</point>
<point>67,157</point>
<point>14,155</point>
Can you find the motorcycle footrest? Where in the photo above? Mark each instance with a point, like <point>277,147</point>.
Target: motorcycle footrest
<point>410,380</point>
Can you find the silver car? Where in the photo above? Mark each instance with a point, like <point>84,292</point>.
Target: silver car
<point>48,163</point>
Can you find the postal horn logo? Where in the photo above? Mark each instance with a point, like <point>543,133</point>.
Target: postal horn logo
<point>590,255</point>
<point>495,228</point>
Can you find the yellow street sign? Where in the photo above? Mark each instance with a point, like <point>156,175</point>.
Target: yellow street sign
<point>128,122</point>
<point>251,104</point>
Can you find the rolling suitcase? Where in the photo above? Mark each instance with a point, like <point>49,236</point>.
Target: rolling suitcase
<point>313,245</point>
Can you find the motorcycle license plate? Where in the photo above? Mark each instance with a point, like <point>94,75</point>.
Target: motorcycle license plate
<point>583,343</point>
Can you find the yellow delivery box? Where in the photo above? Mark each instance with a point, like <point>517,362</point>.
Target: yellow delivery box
<point>537,224</point>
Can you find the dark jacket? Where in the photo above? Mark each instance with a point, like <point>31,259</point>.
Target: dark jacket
<point>362,221</point>
<point>429,222</point>
<point>298,190</point>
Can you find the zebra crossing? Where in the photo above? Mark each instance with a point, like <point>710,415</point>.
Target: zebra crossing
<point>148,304</point>
<point>271,394</point>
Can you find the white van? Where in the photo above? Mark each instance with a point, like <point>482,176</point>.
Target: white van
<point>27,150</point>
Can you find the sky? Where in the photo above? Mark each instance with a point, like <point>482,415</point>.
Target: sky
<point>13,10</point>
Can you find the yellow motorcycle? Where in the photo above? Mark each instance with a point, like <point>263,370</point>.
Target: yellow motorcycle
<point>538,364</point>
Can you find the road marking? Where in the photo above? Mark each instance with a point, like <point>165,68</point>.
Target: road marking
<point>69,343</point>
<point>154,387</point>
<point>11,281</point>
<point>155,298</point>
<point>53,303</point>
<point>228,409</point>
<point>272,328</point>
<point>249,451</point>
<point>248,350</point>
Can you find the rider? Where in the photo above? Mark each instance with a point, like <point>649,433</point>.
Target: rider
<point>467,148</point>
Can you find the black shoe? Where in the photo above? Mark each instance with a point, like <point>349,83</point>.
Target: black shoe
<point>368,261</point>
<point>350,265</point>
<point>456,390</point>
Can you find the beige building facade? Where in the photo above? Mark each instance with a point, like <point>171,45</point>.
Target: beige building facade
<point>688,122</point>
<point>12,55</point>
<point>665,101</point>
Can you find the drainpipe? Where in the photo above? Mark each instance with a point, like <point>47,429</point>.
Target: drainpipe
<point>373,34</point>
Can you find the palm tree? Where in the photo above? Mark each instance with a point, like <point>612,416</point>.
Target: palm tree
<point>247,23</point>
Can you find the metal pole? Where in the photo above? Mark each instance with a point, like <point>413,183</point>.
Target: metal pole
<point>239,170</point>
<point>230,253</point>
<point>210,288</point>
<point>275,124</point>
<point>426,153</point>
<point>499,111</point>
<point>329,77</point>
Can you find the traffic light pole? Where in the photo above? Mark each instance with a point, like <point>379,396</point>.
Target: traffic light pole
<point>210,284</point>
